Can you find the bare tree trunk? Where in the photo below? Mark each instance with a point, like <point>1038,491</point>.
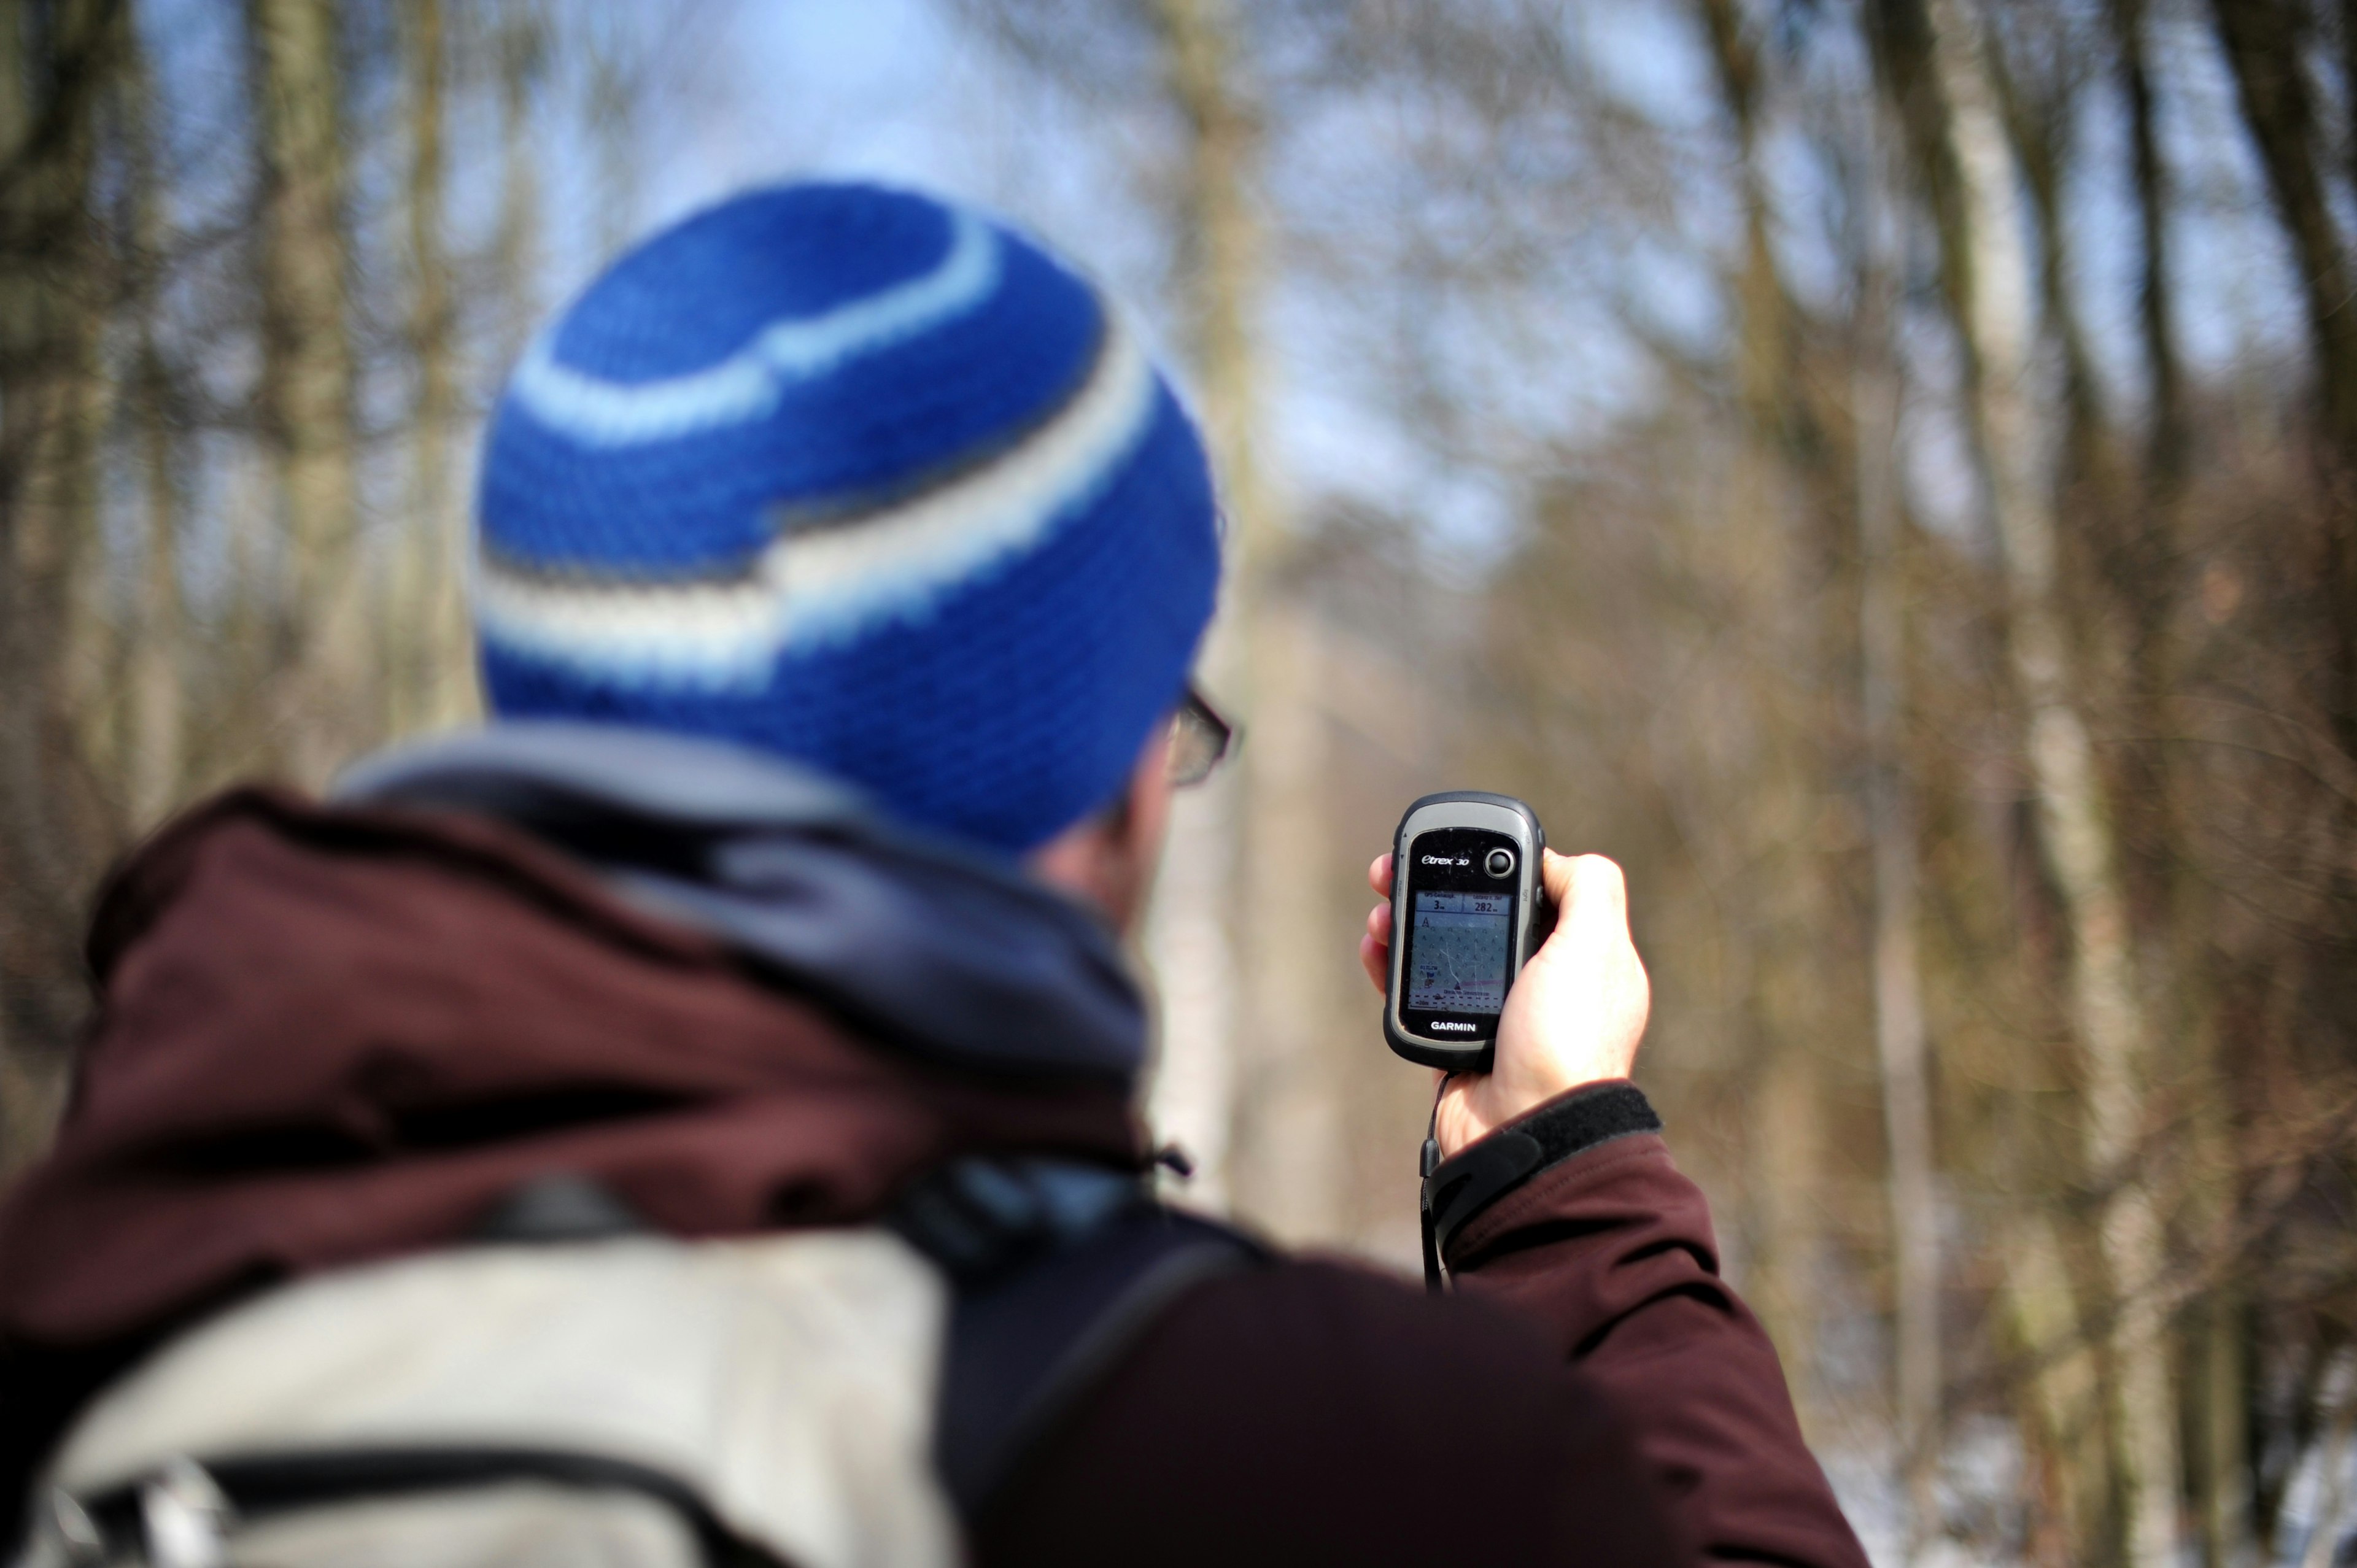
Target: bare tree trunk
<point>1788,1157</point>
<point>1901,1048</point>
<point>1790,1133</point>
<point>84,693</point>
<point>18,765</point>
<point>50,315</point>
<point>2073,814</point>
<point>1290,1170</point>
<point>1191,1099</point>
<point>2152,588</point>
<point>1761,373</point>
<point>438,666</point>
<point>1285,1149</point>
<point>2038,119</point>
<point>2065,1391</point>
<point>1198,1077</point>
<point>2263,41</point>
<point>2165,439</point>
<point>158,695</point>
<point>309,375</point>
<point>55,64</point>
<point>248,622</point>
<point>2223,1479</point>
<point>523,49</point>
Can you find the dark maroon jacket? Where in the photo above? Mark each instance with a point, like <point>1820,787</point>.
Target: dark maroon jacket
<point>329,1035</point>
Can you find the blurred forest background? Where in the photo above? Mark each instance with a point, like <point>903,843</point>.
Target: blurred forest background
<point>1884,471</point>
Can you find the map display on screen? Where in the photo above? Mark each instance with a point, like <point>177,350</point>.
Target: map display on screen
<point>1457,952</point>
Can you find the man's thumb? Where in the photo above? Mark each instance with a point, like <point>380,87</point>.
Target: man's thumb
<point>1588,889</point>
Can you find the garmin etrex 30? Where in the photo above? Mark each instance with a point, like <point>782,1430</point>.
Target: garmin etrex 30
<point>1468,911</point>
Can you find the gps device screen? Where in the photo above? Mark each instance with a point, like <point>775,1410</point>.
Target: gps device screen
<point>1457,951</point>
<point>1461,889</point>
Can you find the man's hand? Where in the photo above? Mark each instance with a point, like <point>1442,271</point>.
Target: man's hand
<point>1576,1011</point>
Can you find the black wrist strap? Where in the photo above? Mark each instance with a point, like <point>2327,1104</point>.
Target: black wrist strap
<point>1461,1188</point>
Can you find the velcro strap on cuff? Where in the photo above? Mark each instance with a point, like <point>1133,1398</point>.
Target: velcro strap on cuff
<point>1467,1183</point>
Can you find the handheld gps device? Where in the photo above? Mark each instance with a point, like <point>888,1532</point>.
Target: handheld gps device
<point>1468,908</point>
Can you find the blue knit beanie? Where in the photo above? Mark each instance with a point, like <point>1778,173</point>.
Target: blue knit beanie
<point>862,479</point>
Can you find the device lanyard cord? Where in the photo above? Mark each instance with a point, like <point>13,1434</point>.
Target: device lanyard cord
<point>1426,1165</point>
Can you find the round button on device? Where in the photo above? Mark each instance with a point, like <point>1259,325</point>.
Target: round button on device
<point>1500,863</point>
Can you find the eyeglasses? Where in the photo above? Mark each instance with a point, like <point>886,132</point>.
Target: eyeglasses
<point>1200,738</point>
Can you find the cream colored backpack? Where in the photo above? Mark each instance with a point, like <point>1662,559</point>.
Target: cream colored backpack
<point>618,1399</point>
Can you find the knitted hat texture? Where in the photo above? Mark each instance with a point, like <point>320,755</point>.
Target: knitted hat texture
<point>863,478</point>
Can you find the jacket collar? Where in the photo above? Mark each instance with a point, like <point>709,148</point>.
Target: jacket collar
<point>951,953</point>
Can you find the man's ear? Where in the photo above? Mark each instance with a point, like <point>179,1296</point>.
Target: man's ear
<point>1108,860</point>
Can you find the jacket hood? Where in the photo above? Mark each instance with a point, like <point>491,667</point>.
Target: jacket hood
<point>953,954</point>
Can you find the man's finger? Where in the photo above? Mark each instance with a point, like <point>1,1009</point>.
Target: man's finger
<point>1375,946</point>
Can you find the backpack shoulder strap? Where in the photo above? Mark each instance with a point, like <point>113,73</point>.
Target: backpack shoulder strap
<point>1059,1271</point>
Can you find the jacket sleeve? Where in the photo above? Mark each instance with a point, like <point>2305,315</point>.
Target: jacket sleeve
<point>1575,1214</point>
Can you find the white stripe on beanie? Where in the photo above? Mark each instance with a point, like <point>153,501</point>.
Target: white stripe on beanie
<point>832,585</point>
<point>745,387</point>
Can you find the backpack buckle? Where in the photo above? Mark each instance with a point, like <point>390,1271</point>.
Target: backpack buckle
<point>185,1517</point>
